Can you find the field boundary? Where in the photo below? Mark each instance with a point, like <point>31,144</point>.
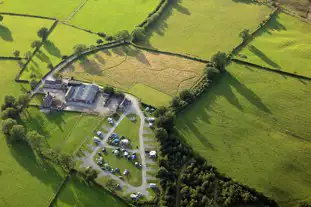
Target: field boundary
<point>11,58</point>
<point>77,9</point>
<point>60,187</point>
<point>270,69</point>
<point>27,15</point>
<point>76,27</point>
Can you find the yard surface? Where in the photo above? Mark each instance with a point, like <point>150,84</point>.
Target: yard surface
<point>254,126</point>
<point>59,43</point>
<point>202,28</point>
<point>113,16</point>
<point>78,193</point>
<point>284,44</point>
<point>126,66</point>
<point>17,33</point>
<point>59,9</point>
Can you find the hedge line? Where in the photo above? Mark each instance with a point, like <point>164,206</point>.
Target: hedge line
<point>10,58</point>
<point>27,15</point>
<point>80,28</point>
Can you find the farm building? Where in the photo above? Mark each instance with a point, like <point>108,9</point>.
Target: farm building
<point>84,93</point>
<point>54,84</point>
<point>47,101</point>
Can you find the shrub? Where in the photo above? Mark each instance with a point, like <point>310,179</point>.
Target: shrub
<point>33,84</point>
<point>187,95</point>
<point>138,34</point>
<point>220,60</point>
<point>43,32</point>
<point>99,41</point>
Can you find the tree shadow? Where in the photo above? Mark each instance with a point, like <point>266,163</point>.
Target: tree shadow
<point>51,48</point>
<point>262,56</point>
<point>34,123</point>
<point>57,118</point>
<point>247,1</point>
<point>5,33</point>
<point>140,56</point>
<point>180,8</point>
<point>107,52</point>
<point>91,67</point>
<point>43,57</point>
<point>99,58</point>
<point>118,51</point>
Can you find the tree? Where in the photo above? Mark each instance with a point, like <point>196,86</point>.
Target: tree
<point>176,102</point>
<point>161,111</point>
<point>139,34</point>
<point>245,35</point>
<point>99,41</point>
<point>109,38</point>
<point>16,53</point>
<point>1,18</point>
<point>304,204</point>
<point>220,60</point>
<point>34,139</point>
<point>123,35</point>
<point>79,48</point>
<point>33,84</point>
<point>28,55</point>
<point>50,66</point>
<point>211,72</point>
<point>43,32</point>
<point>7,125</point>
<point>9,113</point>
<point>58,75</point>
<point>166,121</point>
<point>90,174</point>
<point>35,44</point>
<point>161,134</point>
<point>162,173</point>
<point>9,101</point>
<point>101,34</point>
<point>67,161</point>
<point>109,90</point>
<point>187,95</point>
<point>17,133</point>
<point>23,100</point>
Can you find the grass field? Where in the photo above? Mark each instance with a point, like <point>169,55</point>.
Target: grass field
<point>284,44</point>
<point>17,33</point>
<point>22,174</point>
<point>78,193</point>
<point>298,6</point>
<point>125,67</point>
<point>254,126</point>
<point>204,28</point>
<point>64,131</point>
<point>114,15</point>
<point>60,42</point>
<point>130,130</point>
<point>59,9</point>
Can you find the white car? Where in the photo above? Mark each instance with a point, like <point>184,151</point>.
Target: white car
<point>100,134</point>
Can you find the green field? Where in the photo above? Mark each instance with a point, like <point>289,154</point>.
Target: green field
<point>59,9</point>
<point>113,16</point>
<point>254,126</point>
<point>17,33</point>
<point>60,42</point>
<point>79,194</point>
<point>284,44</point>
<point>130,130</point>
<point>64,131</point>
<point>202,28</point>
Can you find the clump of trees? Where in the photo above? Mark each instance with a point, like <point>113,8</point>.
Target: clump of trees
<point>43,33</point>
<point>245,35</point>
<point>35,44</point>
<point>79,48</point>
<point>123,35</point>
<point>139,34</point>
<point>220,60</point>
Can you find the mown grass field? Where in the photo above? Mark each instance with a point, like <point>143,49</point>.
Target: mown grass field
<point>125,67</point>
<point>59,9</point>
<point>59,43</point>
<point>284,44</point>
<point>129,129</point>
<point>254,126</point>
<point>204,28</point>
<point>17,33</point>
<point>64,131</point>
<point>78,193</point>
<point>22,174</point>
<point>113,16</point>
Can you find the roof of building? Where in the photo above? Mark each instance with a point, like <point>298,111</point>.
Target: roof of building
<point>83,92</point>
<point>47,101</point>
<point>53,82</point>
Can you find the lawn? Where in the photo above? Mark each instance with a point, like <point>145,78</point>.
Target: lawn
<point>113,16</point>
<point>59,9</point>
<point>22,174</point>
<point>284,44</point>
<point>64,131</point>
<point>125,67</point>
<point>60,43</point>
<point>254,126</point>
<point>17,33</point>
<point>130,130</point>
<point>202,28</point>
<point>79,194</point>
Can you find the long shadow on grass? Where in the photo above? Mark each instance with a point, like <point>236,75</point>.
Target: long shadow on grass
<point>52,49</point>
<point>247,1</point>
<point>262,56</point>
<point>5,33</point>
<point>43,57</point>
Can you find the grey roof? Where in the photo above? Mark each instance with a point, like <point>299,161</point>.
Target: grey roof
<point>53,82</point>
<point>85,93</point>
<point>47,101</point>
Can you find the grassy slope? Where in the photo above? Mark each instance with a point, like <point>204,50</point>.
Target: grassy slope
<point>60,42</point>
<point>130,130</point>
<point>244,126</point>
<point>57,8</point>
<point>201,28</point>
<point>285,43</point>
<point>115,15</point>
<point>77,193</point>
<point>22,174</point>
<point>17,33</point>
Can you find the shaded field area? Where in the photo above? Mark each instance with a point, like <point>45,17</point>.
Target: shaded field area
<point>113,15</point>
<point>59,43</point>
<point>64,131</point>
<point>17,33</point>
<point>254,126</point>
<point>298,6</point>
<point>59,9</point>
<point>21,172</point>
<point>78,193</point>
<point>124,67</point>
<point>284,44</point>
<point>202,28</point>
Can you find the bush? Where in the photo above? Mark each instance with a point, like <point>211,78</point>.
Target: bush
<point>220,60</point>
<point>7,125</point>
<point>99,41</point>
<point>211,72</point>
<point>187,95</point>
<point>33,84</point>
<point>138,34</point>
<point>101,34</point>
<point>43,32</point>
<point>109,38</point>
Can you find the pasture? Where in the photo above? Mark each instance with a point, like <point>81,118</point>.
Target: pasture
<point>59,9</point>
<point>59,43</point>
<point>254,126</point>
<point>113,16</point>
<point>17,33</point>
<point>78,193</point>
<point>284,44</point>
<point>124,67</point>
<point>22,173</point>
<point>202,28</point>
<point>298,6</point>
